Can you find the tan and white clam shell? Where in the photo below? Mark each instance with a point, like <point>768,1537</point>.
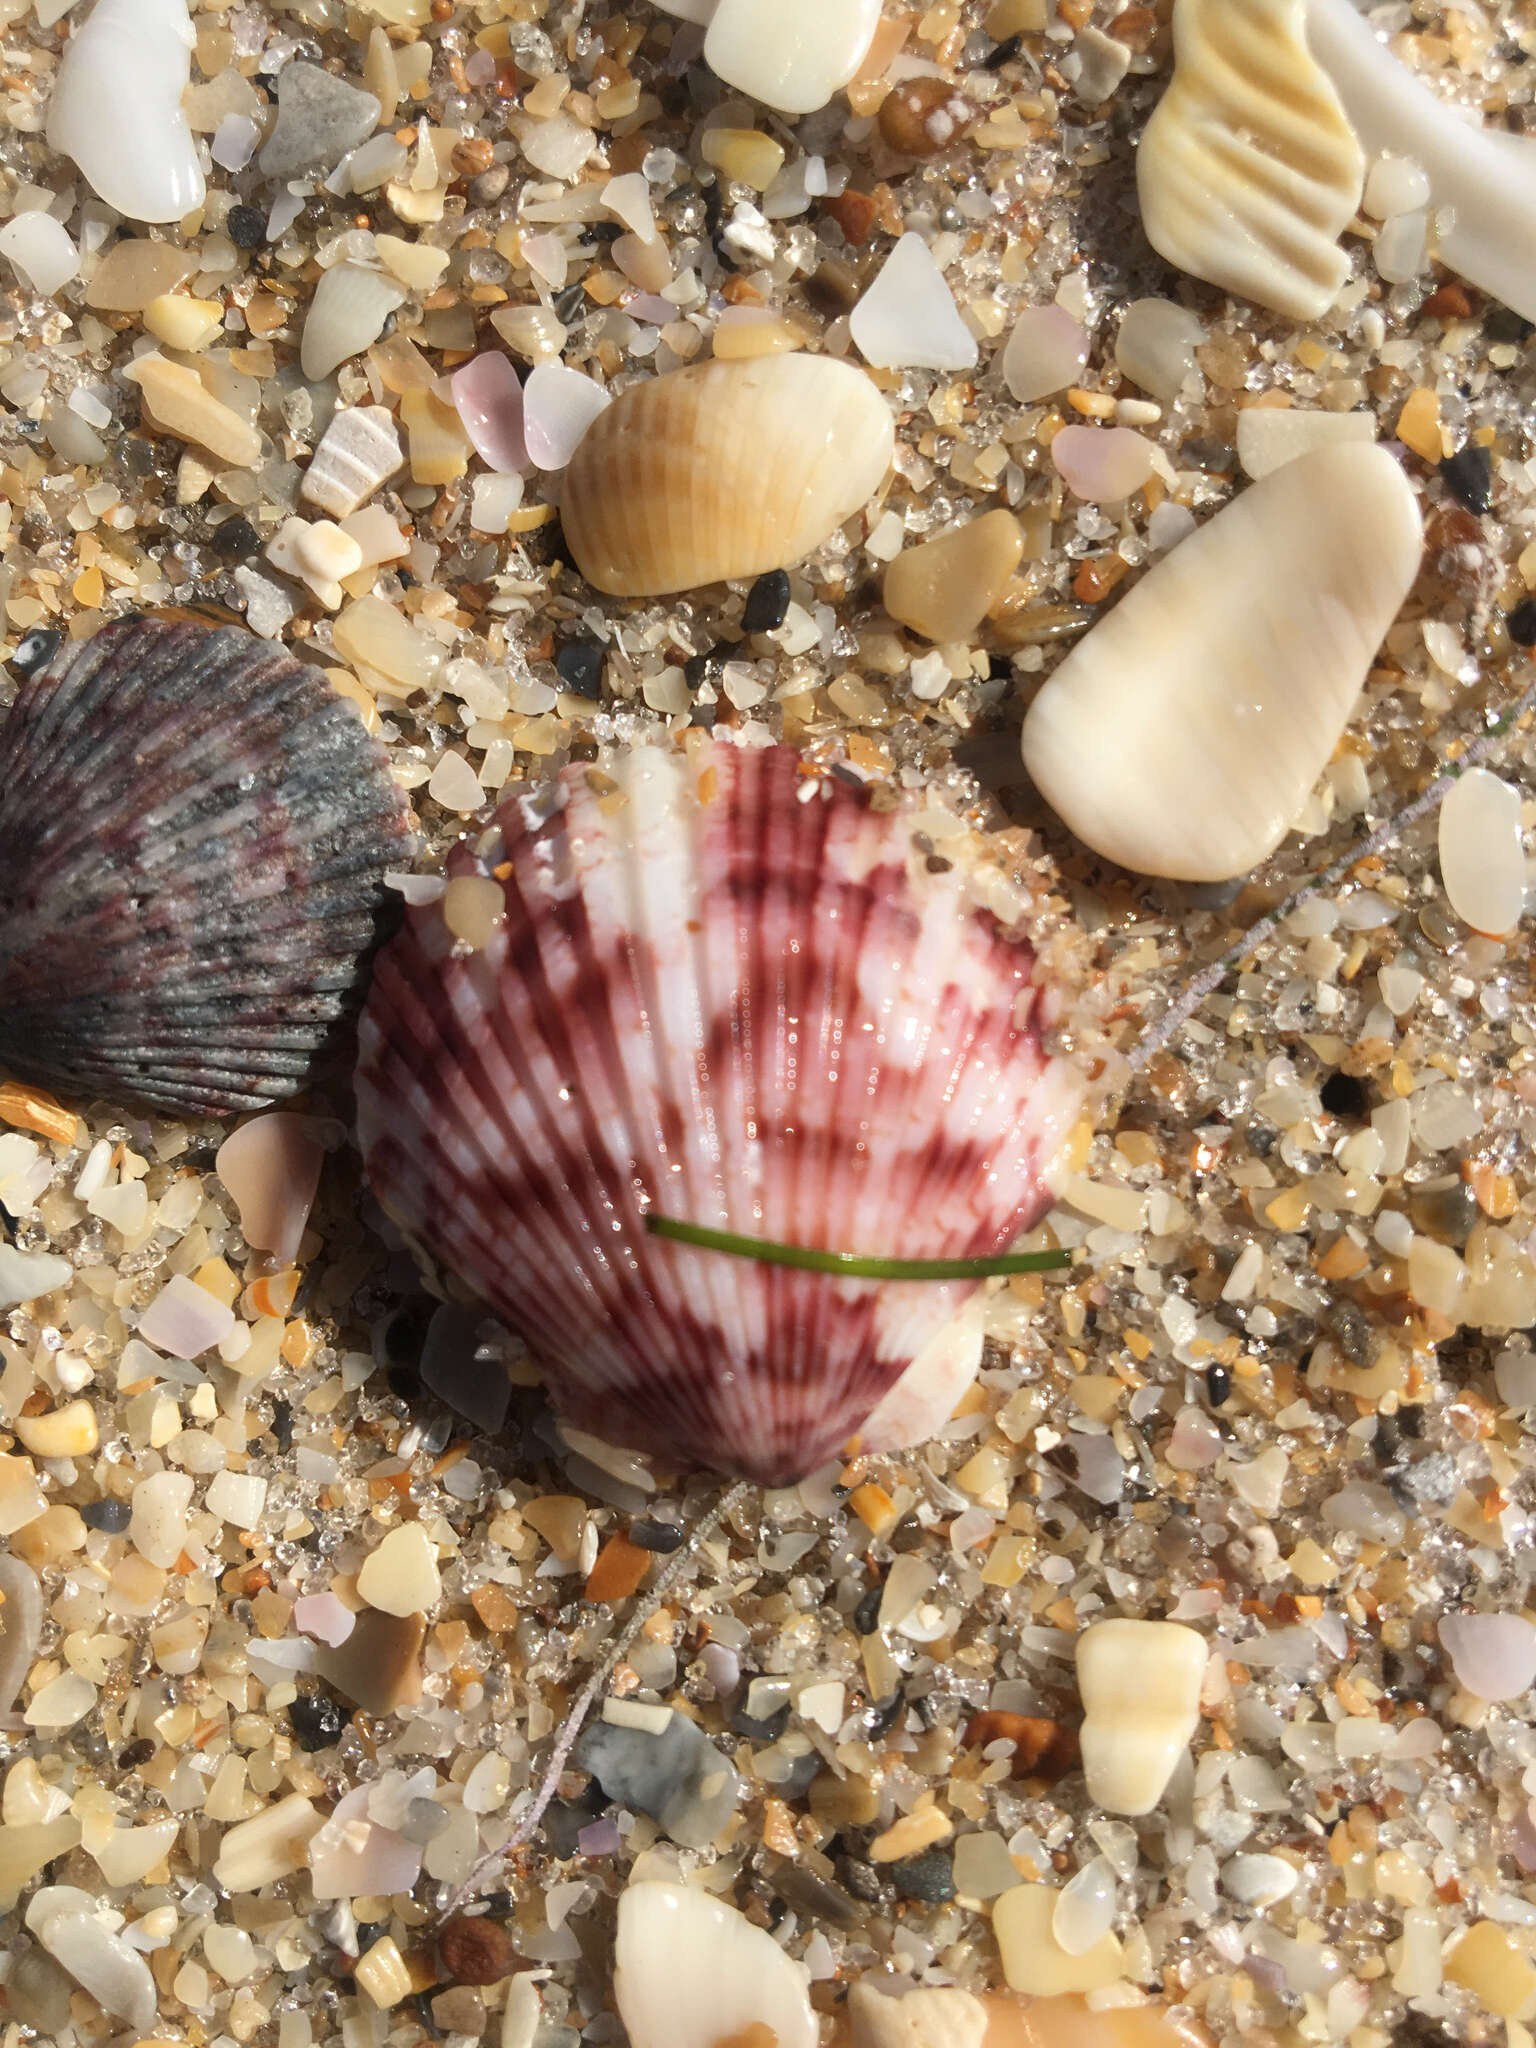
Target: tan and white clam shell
<point>1249,170</point>
<point>723,470</point>
<point>1184,734</point>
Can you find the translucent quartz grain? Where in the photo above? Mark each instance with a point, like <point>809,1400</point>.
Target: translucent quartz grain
<point>1047,351</point>
<point>1482,855</point>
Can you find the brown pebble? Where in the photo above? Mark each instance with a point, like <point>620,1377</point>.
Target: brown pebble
<point>832,288</point>
<point>1097,577</point>
<point>854,213</point>
<point>1041,1748</point>
<point>1449,303</point>
<point>924,116</point>
<point>474,1949</point>
<point>472,154</point>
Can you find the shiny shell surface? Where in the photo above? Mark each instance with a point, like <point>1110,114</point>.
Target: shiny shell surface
<point>723,470</point>
<point>1249,171</point>
<point>194,831</point>
<point>723,990</point>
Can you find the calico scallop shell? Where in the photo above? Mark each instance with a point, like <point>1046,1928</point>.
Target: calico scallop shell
<point>723,470</point>
<point>194,831</point>
<point>1249,171</point>
<point>721,990</point>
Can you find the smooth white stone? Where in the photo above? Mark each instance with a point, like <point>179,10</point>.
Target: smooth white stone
<point>1046,352</point>
<point>116,108</point>
<point>1156,346</point>
<point>65,1923</point>
<point>1259,1880</point>
<point>40,249</point>
<point>790,54</point>
<point>1186,732</point>
<point>1270,436</point>
<point>1493,1655</point>
<point>692,1972</point>
<point>1248,171</point>
<point>26,1275</point>
<point>1102,465</point>
<point>1140,1685</point>
<point>1482,855</point>
<point>1394,184</point>
<point>1483,181</point>
<point>908,318</point>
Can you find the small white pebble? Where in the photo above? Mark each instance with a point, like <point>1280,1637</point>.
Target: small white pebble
<point>1482,853</point>
<point>908,318</point>
<point>237,1498</point>
<point>401,1575</point>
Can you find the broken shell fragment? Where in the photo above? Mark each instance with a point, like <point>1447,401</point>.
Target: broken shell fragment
<point>1482,181</point>
<point>1184,734</point>
<point>692,1972</point>
<point>790,54</point>
<point>1140,1685</point>
<point>116,108</point>
<point>1249,171</point>
<point>358,451</point>
<point>723,470</point>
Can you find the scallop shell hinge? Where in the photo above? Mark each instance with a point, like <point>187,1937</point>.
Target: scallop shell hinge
<point>1249,170</point>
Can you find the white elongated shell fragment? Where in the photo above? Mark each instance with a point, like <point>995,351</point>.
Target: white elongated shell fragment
<point>1482,854</point>
<point>727,469</point>
<point>116,108</point>
<point>1249,171</point>
<point>1482,181</point>
<point>1184,734</point>
<point>1140,1687</point>
<point>692,1972</point>
<point>1268,437</point>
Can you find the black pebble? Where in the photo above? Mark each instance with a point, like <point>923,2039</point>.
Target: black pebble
<point>1218,1383</point>
<point>662,1536</point>
<point>235,540</point>
<point>317,1721</point>
<point>1345,1095</point>
<point>1503,325</point>
<point>569,304</point>
<point>1469,474</point>
<point>1003,53</point>
<point>580,666</point>
<point>282,1424</point>
<point>767,602</point>
<point>35,650</point>
<point>883,1716</point>
<point>111,1517</point>
<point>930,1878</point>
<point>1522,623</point>
<point>698,668</point>
<point>135,1754</point>
<point>247,226</point>
<point>866,1616</point>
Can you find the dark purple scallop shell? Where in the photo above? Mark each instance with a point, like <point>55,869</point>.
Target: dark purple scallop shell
<point>194,831</point>
<point>738,996</point>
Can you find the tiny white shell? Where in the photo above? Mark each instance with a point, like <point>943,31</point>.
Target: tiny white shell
<point>723,470</point>
<point>1249,171</point>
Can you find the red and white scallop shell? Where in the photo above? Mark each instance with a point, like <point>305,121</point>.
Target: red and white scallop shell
<point>718,987</point>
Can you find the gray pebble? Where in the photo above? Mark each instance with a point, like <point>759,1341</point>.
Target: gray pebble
<point>677,1777</point>
<point>930,1878</point>
<point>319,118</point>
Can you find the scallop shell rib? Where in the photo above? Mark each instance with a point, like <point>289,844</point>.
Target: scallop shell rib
<point>723,470</point>
<point>737,997</point>
<point>1249,170</point>
<point>193,835</point>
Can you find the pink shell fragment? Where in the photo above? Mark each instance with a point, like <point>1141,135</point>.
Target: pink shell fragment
<point>558,407</point>
<point>1102,465</point>
<point>488,398</point>
<point>272,1168</point>
<point>324,1619</point>
<point>352,1856</point>
<point>184,1319</point>
<point>1494,1655</point>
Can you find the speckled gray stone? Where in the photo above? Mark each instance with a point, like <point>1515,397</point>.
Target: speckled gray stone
<point>677,1777</point>
<point>319,118</point>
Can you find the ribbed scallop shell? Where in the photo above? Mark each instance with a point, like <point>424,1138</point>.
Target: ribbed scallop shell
<point>735,995</point>
<point>194,831</point>
<point>1249,170</point>
<point>723,470</point>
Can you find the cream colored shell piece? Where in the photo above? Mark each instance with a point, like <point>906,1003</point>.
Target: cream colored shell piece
<point>1184,734</point>
<point>1249,170</point>
<point>723,470</point>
